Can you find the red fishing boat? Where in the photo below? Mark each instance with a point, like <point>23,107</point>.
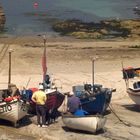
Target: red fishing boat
<point>54,100</point>
<point>54,97</point>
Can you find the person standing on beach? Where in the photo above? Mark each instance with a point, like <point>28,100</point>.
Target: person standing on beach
<point>39,97</point>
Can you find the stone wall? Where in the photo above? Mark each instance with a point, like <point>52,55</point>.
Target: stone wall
<point>2,18</point>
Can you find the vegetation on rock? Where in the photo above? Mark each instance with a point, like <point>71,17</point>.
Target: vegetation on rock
<point>103,29</point>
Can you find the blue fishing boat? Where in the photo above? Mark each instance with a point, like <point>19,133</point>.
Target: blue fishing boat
<point>94,99</point>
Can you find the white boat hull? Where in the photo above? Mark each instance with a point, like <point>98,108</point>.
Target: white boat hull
<point>88,123</point>
<point>134,94</point>
<point>13,111</point>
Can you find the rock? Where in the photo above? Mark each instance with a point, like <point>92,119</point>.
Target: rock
<point>114,28</point>
<point>2,18</point>
<point>86,35</point>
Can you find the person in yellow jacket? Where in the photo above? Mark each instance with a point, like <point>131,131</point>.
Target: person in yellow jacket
<point>39,97</point>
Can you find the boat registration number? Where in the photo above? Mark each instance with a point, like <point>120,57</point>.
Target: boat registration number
<point>5,108</point>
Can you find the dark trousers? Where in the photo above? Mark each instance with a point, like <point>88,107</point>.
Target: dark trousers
<point>41,113</point>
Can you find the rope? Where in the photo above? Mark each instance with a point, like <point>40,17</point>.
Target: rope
<point>113,111</point>
<point>28,82</point>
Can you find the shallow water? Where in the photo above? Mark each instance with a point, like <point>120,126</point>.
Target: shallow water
<point>23,18</point>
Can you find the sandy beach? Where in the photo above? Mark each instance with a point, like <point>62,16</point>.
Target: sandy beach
<point>69,61</point>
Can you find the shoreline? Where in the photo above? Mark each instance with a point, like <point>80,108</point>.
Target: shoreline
<point>76,30</point>
<point>62,39</point>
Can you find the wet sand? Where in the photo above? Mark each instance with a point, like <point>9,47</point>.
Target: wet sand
<point>70,63</point>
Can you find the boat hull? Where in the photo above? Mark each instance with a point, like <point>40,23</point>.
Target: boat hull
<point>134,94</point>
<point>98,104</point>
<point>90,123</point>
<point>54,100</point>
<point>13,111</point>
<point>95,103</point>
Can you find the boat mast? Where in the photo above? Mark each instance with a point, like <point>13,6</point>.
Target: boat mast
<point>9,74</point>
<point>44,65</point>
<point>93,73</point>
<point>44,57</point>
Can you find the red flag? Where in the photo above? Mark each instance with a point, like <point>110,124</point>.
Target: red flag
<point>44,65</point>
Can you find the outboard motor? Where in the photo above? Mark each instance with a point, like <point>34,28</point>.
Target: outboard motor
<point>95,89</point>
<point>87,87</point>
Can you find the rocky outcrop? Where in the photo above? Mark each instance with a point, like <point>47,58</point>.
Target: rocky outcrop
<point>2,18</point>
<point>114,28</point>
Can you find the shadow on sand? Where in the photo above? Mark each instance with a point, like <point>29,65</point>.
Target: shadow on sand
<point>107,112</point>
<point>132,107</point>
<point>66,129</point>
<point>21,123</point>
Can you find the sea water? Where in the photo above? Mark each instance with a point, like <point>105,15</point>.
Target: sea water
<point>30,17</point>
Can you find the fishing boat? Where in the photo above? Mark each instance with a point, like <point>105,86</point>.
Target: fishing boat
<point>94,99</point>
<point>89,123</point>
<point>54,97</point>
<point>13,111</point>
<point>131,76</point>
<point>54,100</point>
<point>134,94</point>
<point>12,108</point>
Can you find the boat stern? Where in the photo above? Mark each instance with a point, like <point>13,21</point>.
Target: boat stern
<point>101,121</point>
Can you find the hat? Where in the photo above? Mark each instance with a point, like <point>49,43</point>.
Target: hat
<point>71,93</point>
<point>40,87</point>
